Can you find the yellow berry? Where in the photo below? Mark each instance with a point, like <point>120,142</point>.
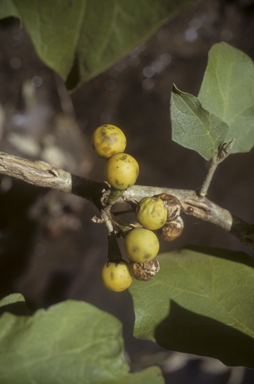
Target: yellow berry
<point>141,245</point>
<point>116,276</point>
<point>151,213</point>
<point>121,171</point>
<point>107,140</point>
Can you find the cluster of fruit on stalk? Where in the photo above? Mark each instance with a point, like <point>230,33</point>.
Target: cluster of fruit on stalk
<point>159,213</point>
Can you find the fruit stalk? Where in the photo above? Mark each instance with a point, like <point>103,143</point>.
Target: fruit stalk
<point>114,253</point>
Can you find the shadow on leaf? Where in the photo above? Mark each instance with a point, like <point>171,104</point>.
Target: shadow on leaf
<point>188,332</point>
<point>238,257</point>
<point>19,309</point>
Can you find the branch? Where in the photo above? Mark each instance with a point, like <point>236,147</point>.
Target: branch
<point>191,203</point>
<point>223,152</point>
<point>204,188</point>
<point>202,208</point>
<point>42,174</point>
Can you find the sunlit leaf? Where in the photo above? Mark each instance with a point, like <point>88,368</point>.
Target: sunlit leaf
<point>15,304</point>
<point>71,342</point>
<point>194,127</point>
<point>200,302</point>
<point>227,91</point>
<point>11,299</point>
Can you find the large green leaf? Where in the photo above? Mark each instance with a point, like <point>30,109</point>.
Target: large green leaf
<point>194,127</point>
<point>228,92</point>
<point>71,342</point>
<point>80,38</point>
<point>54,27</point>
<point>200,302</point>
<point>7,9</point>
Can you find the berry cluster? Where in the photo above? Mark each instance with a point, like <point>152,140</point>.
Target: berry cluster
<point>159,213</point>
<point>121,170</point>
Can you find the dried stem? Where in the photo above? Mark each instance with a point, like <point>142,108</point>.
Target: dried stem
<point>44,175</point>
<point>107,220</point>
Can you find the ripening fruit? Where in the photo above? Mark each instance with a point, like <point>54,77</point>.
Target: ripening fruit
<point>116,276</point>
<point>107,140</point>
<point>121,171</point>
<point>141,245</point>
<point>151,213</point>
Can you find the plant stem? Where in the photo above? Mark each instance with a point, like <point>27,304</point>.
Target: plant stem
<point>107,220</point>
<point>114,253</point>
<point>123,227</point>
<point>115,194</point>
<point>202,192</point>
<point>41,174</point>
<point>223,152</point>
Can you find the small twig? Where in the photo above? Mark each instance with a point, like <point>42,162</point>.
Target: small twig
<point>114,253</point>
<point>223,152</point>
<point>107,220</point>
<point>123,227</point>
<point>204,188</point>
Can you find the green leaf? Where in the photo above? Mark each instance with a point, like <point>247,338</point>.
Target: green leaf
<point>15,304</point>
<point>7,9</point>
<point>71,342</point>
<point>11,299</point>
<point>228,92</point>
<point>200,302</point>
<point>54,27</point>
<point>81,38</point>
<point>194,127</point>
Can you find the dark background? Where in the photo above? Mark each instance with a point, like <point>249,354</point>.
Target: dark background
<point>50,250</point>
